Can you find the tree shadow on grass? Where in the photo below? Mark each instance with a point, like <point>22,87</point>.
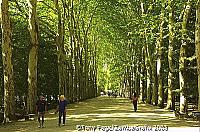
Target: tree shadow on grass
<point>103,111</point>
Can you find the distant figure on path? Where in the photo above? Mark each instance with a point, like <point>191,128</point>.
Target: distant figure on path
<point>41,107</point>
<point>135,100</point>
<point>62,109</point>
<point>109,94</point>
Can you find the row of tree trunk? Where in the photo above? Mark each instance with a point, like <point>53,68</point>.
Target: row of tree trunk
<point>147,72</point>
<point>76,55</point>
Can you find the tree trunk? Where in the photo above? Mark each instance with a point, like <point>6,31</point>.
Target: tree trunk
<point>160,58</point>
<point>170,100</point>
<point>155,84</point>
<point>9,92</point>
<point>182,68</point>
<point>81,77</point>
<point>95,67</point>
<point>33,57</point>
<point>75,70</point>
<point>86,69</point>
<point>80,57</point>
<point>138,67</point>
<point>61,51</point>
<point>142,82</point>
<point>128,78</point>
<point>76,46</point>
<point>148,74</point>
<point>197,42</point>
<point>71,67</point>
<point>182,79</point>
<point>137,80</point>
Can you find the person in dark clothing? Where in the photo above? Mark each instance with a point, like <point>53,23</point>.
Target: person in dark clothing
<point>40,110</point>
<point>135,100</point>
<point>62,109</point>
<point>109,94</point>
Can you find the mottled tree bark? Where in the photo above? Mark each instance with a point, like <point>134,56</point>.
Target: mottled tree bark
<point>197,42</point>
<point>33,56</point>
<point>9,92</point>
<point>155,84</point>
<point>182,56</point>
<point>142,71</point>
<point>160,58</point>
<point>170,98</point>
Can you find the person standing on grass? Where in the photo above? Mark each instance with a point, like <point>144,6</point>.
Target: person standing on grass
<point>62,103</point>
<point>135,100</point>
<point>41,107</point>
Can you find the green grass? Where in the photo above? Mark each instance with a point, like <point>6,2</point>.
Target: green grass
<point>102,111</point>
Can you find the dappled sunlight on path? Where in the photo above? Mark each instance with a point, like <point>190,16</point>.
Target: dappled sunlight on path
<point>103,111</point>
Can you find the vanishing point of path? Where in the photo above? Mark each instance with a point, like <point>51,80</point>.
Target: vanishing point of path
<point>102,111</point>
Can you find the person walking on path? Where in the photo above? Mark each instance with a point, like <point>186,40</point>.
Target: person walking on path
<point>135,100</point>
<point>41,107</point>
<point>62,109</point>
